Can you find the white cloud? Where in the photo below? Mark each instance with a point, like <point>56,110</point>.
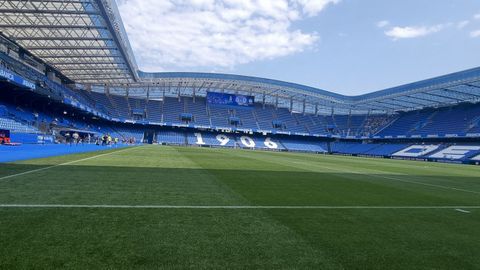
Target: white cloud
<point>398,32</point>
<point>476,16</point>
<point>462,24</point>
<point>475,34</point>
<point>313,7</point>
<point>176,34</point>
<point>382,24</point>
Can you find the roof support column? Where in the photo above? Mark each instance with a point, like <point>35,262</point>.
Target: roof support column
<point>178,94</point>
<point>193,94</point>
<point>263,100</point>
<point>304,105</point>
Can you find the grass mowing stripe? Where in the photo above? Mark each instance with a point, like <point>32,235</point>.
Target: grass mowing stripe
<point>330,168</point>
<point>456,207</point>
<point>61,164</point>
<point>94,214</point>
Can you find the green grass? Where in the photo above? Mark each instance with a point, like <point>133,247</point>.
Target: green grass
<point>142,238</point>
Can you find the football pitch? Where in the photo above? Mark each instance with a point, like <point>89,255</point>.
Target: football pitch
<point>161,207</point>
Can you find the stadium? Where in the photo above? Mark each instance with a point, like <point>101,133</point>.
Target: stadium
<point>106,166</point>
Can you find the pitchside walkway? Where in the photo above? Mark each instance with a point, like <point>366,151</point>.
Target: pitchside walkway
<point>31,151</point>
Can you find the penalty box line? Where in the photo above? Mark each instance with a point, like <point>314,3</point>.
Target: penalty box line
<point>104,206</point>
<point>62,164</point>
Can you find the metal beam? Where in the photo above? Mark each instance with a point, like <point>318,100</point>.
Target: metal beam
<point>63,38</point>
<point>367,106</point>
<point>88,63</point>
<point>464,93</point>
<point>94,75</point>
<point>98,75</point>
<point>92,69</point>
<point>409,101</point>
<point>79,56</point>
<point>393,104</point>
<point>374,107</point>
<point>424,99</point>
<point>442,96</point>
<point>57,1</point>
<point>46,26</point>
<point>472,85</point>
<point>49,11</point>
<point>73,48</point>
<point>103,79</point>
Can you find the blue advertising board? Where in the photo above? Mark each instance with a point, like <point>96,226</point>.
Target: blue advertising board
<point>12,77</point>
<point>230,99</point>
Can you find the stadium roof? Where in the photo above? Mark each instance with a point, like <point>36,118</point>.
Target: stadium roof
<point>86,41</point>
<point>441,91</point>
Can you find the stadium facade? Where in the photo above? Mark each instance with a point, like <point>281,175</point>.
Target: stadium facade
<point>67,66</point>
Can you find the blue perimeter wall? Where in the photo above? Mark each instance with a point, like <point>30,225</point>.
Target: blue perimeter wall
<point>31,151</point>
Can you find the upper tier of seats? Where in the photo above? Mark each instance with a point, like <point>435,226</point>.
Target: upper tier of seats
<point>462,119</point>
<point>260,117</point>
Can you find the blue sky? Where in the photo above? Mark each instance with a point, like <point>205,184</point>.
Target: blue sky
<point>345,46</point>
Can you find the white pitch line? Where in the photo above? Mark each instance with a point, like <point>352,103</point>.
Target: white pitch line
<point>227,206</point>
<point>62,164</point>
<point>390,177</point>
<point>426,184</point>
<point>461,210</point>
<point>400,180</point>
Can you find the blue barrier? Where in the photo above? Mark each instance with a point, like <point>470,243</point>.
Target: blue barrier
<point>31,138</point>
<point>32,151</point>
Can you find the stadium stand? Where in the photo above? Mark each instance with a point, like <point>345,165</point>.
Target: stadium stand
<point>304,146</point>
<point>154,111</point>
<point>457,120</point>
<point>181,117</point>
<point>385,149</point>
<point>247,118</point>
<point>171,137</point>
<point>198,110</point>
<point>16,127</point>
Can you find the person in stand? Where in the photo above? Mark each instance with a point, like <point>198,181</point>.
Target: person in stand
<point>76,138</point>
<point>68,138</point>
